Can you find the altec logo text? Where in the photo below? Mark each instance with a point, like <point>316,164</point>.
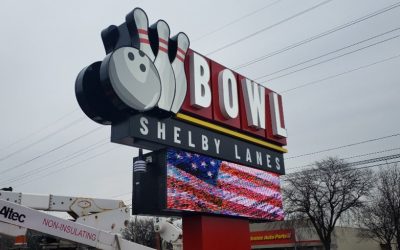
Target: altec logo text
<point>10,214</point>
<point>146,71</point>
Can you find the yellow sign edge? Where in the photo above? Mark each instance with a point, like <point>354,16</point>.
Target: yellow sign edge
<point>229,132</point>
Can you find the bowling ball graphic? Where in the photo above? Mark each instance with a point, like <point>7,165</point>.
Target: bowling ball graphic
<point>133,77</point>
<point>124,83</point>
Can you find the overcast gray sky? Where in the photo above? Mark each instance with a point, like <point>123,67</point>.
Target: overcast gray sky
<point>44,45</point>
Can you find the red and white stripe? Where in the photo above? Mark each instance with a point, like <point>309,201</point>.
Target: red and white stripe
<point>163,45</point>
<point>270,177</point>
<point>180,54</point>
<point>248,185</point>
<point>256,177</point>
<point>143,36</point>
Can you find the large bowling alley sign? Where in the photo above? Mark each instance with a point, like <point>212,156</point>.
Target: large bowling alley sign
<point>156,92</point>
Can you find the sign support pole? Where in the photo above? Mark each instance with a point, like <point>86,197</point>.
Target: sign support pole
<point>209,232</point>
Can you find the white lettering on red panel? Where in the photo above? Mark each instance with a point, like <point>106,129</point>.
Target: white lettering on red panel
<point>254,97</point>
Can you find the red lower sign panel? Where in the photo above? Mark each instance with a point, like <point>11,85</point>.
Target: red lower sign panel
<point>200,183</point>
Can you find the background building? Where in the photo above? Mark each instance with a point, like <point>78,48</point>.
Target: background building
<point>285,235</point>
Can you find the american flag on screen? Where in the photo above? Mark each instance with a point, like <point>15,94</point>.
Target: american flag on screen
<point>203,184</point>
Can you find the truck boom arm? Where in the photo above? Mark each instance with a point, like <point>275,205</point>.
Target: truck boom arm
<point>98,221</point>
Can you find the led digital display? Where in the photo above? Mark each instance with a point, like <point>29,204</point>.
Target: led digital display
<point>199,183</point>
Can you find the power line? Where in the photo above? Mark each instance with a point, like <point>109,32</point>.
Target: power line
<point>383,158</point>
<point>42,139</point>
<point>357,163</point>
<point>236,20</point>
<point>70,166</point>
<point>331,52</point>
<point>371,160</point>
<point>344,146</point>
<point>39,130</point>
<point>320,35</point>
<point>340,74</point>
<point>377,165</point>
<point>52,164</point>
<point>50,151</point>
<point>350,157</point>
<point>330,59</point>
<point>289,176</point>
<point>268,27</point>
<point>57,162</point>
<point>372,153</point>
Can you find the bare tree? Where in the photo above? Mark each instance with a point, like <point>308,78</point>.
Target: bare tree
<point>388,189</point>
<point>141,231</point>
<point>324,193</point>
<point>376,219</point>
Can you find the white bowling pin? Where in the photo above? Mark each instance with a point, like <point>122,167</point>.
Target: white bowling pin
<point>142,25</point>
<point>164,67</point>
<point>179,70</point>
